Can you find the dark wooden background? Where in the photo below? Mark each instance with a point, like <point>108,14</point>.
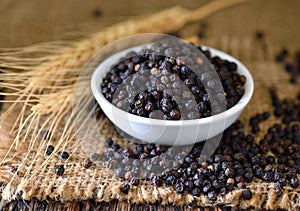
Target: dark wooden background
<point>30,21</point>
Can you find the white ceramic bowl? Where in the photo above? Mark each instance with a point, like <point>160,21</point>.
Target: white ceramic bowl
<point>169,132</point>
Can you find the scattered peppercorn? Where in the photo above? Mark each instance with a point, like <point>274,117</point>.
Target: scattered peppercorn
<point>109,142</point>
<point>247,194</point>
<point>157,181</point>
<point>179,188</point>
<point>59,170</point>
<point>49,149</point>
<point>294,182</point>
<point>270,160</point>
<point>86,163</point>
<point>281,56</point>
<point>212,196</point>
<point>64,155</point>
<point>125,188</point>
<point>258,118</point>
<point>134,181</point>
<point>196,192</point>
<point>293,67</point>
<point>97,12</point>
<point>115,146</point>
<point>259,35</point>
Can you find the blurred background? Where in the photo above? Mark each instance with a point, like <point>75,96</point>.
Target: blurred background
<point>31,21</point>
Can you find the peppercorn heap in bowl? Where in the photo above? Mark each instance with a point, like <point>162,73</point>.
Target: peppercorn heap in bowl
<point>171,94</point>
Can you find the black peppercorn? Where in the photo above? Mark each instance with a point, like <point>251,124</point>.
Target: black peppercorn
<point>216,184</point>
<point>198,182</point>
<point>240,178</point>
<point>59,170</point>
<point>125,188</point>
<point>139,148</point>
<point>206,188</point>
<point>196,192</point>
<point>207,172</point>
<point>247,194</point>
<point>109,142</point>
<point>277,185</point>
<point>282,160</point>
<point>267,176</point>
<point>294,182</point>
<point>64,155</point>
<point>115,146</point>
<point>270,160</point>
<point>212,196</point>
<point>179,188</point>
<point>241,185</point>
<point>86,163</point>
<point>229,172</point>
<point>281,55</point>
<point>255,160</point>
<point>259,35</point>
<point>97,12</point>
<point>157,181</point>
<point>249,177</point>
<point>49,149</point>
<point>170,180</point>
<point>265,115</point>
<point>222,177</point>
<point>189,185</point>
<point>134,181</point>
<point>188,160</point>
<point>249,139</point>
<point>223,191</point>
<point>150,147</point>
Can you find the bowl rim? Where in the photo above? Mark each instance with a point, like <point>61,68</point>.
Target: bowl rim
<point>242,69</point>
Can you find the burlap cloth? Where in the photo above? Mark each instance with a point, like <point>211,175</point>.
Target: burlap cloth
<point>233,31</point>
